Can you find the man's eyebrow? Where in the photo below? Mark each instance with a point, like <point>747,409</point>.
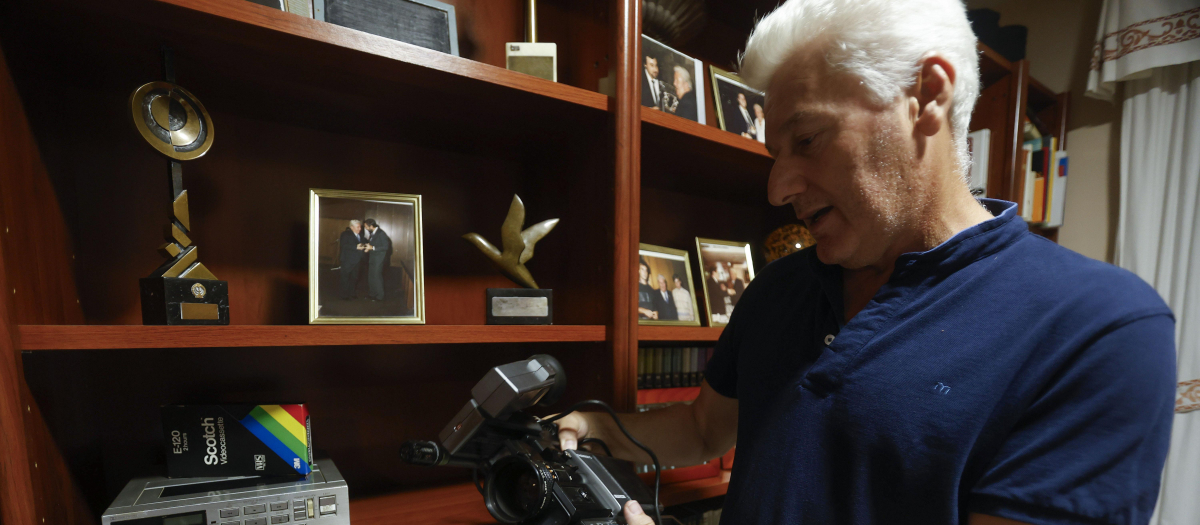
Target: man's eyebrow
<point>796,118</point>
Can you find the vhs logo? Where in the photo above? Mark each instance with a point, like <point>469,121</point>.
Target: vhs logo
<point>260,462</point>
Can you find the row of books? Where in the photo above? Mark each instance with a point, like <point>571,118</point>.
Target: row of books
<point>671,367</point>
<point>1045,184</point>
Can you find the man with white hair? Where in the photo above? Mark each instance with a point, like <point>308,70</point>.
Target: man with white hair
<point>929,360</point>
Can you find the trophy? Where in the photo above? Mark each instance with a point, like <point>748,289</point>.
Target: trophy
<point>181,291</point>
<point>530,305</point>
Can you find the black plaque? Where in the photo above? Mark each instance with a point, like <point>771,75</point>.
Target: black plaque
<point>425,23</point>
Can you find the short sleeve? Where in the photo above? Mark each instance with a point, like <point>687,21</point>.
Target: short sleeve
<point>721,371</point>
<point>1091,447</point>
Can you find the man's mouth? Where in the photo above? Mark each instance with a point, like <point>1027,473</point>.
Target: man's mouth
<point>815,218</point>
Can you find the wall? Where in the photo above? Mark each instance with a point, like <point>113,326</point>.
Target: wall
<point>1059,50</point>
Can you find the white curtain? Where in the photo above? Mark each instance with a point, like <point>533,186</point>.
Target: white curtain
<point>1158,238</point>
<point>1151,48</point>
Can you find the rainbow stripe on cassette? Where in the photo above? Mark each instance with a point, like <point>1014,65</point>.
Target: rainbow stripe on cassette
<point>237,440</point>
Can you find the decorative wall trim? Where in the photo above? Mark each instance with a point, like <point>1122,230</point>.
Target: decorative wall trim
<point>1189,396</point>
<point>1179,27</point>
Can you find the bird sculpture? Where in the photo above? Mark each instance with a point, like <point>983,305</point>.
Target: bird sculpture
<point>517,243</point>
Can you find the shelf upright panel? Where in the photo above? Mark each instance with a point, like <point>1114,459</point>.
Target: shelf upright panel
<point>626,203</point>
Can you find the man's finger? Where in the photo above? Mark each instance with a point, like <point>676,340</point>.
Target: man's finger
<point>568,439</point>
<point>634,515</point>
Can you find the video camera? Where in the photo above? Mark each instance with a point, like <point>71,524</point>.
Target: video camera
<point>526,478</point>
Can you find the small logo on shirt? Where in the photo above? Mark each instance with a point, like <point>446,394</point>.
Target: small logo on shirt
<point>941,388</point>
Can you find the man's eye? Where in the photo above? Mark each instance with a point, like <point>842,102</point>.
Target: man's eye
<point>805,141</point>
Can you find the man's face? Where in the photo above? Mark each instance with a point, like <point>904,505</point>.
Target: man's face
<point>681,85</point>
<point>652,67</point>
<point>844,164</point>
<point>758,111</point>
<point>678,283</point>
<point>370,228</point>
<point>742,99</point>
<point>356,228</point>
<point>662,283</point>
<point>643,273</point>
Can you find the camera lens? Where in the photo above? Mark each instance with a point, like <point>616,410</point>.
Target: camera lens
<point>516,489</point>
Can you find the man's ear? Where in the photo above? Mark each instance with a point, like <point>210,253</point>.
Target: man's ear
<point>932,95</point>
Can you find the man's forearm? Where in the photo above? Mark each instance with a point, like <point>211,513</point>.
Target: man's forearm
<point>672,433</point>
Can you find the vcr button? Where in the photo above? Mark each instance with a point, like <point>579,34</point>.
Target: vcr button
<point>255,509</point>
<point>279,505</point>
<point>256,521</point>
<point>229,513</point>
<point>282,518</point>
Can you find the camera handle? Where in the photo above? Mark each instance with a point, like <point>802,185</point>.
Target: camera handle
<point>617,420</point>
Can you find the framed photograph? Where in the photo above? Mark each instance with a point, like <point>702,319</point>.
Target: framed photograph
<point>671,81</point>
<point>726,269</point>
<point>665,294</point>
<point>365,258</point>
<point>741,109</point>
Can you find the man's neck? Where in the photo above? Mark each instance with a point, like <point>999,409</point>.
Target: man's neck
<point>950,209</point>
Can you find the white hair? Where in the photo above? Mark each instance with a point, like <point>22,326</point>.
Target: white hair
<point>355,222</point>
<point>682,72</point>
<point>882,42</point>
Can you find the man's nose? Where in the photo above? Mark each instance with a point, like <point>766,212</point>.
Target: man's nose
<point>786,181</point>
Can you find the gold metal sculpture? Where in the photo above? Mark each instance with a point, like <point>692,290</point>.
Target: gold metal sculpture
<point>517,244</point>
<point>182,290</point>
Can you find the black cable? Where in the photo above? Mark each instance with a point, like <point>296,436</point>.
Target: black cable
<point>588,441</point>
<point>475,478</point>
<point>617,420</point>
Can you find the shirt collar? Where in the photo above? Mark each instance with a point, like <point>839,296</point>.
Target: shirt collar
<point>963,248</point>
<point>973,243</point>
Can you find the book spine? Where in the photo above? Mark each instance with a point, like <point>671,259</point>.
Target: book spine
<point>657,373</point>
<point>696,366</point>
<point>641,368</point>
<point>685,376</point>
<point>677,376</point>
<point>703,358</point>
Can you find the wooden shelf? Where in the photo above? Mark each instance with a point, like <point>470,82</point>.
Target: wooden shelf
<point>678,333</point>
<point>312,74</point>
<point>90,337</point>
<point>647,396</point>
<point>693,158</point>
<point>459,504</point>
<point>715,135</point>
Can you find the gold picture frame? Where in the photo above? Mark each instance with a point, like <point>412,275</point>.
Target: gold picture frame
<point>676,262</point>
<point>331,214</point>
<point>725,87</point>
<point>716,256</point>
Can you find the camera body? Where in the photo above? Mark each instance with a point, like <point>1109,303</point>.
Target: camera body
<point>525,478</point>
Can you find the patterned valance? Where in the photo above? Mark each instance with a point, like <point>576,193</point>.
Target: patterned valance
<point>1136,36</point>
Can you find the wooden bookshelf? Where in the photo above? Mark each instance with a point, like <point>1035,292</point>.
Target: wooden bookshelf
<point>93,337</point>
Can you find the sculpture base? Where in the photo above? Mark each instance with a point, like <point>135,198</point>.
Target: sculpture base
<point>183,301</point>
<point>520,306</point>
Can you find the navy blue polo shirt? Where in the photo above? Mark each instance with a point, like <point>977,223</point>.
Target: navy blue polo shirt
<point>997,373</point>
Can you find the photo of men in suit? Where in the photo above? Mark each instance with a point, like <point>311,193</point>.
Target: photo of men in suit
<point>366,258</point>
<point>350,249</point>
<point>379,250</point>
<point>727,269</point>
<point>737,105</point>
<point>664,287</point>
<point>668,81</point>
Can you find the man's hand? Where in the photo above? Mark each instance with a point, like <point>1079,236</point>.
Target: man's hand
<point>634,515</point>
<point>571,429</point>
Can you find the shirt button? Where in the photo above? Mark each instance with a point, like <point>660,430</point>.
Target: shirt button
<point>828,339</point>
